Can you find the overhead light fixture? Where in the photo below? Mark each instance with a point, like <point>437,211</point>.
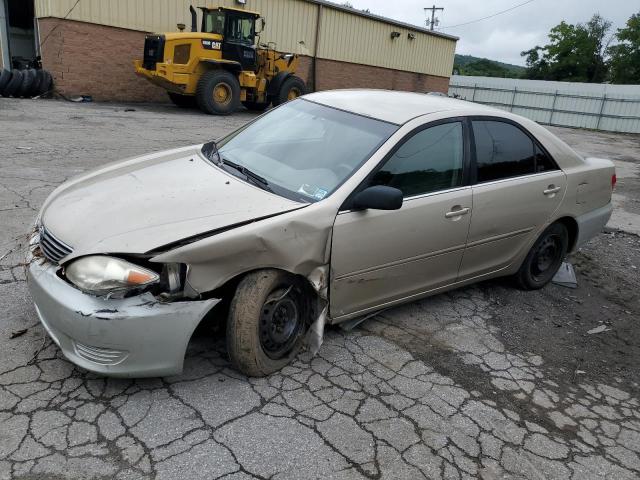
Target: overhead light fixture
<point>395,35</point>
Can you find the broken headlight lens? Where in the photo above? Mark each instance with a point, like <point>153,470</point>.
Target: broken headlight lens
<point>101,274</point>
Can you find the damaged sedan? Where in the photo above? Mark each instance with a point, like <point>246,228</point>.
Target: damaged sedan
<point>327,208</point>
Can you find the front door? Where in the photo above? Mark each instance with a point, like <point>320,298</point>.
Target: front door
<point>517,189</point>
<point>238,41</point>
<point>382,256</point>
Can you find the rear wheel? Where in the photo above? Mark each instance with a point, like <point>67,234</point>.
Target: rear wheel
<point>218,92</point>
<point>292,88</point>
<point>544,258</point>
<point>182,101</point>
<point>266,323</point>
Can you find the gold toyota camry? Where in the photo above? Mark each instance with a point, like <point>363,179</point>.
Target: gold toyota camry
<point>324,209</point>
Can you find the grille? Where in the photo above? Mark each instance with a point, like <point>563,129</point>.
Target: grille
<point>153,51</point>
<point>102,356</point>
<point>53,249</point>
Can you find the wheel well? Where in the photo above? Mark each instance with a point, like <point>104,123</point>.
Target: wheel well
<point>227,290</point>
<point>572,228</point>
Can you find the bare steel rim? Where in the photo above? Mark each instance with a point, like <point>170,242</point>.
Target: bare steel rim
<point>222,93</point>
<point>281,322</point>
<point>547,258</point>
<point>294,93</point>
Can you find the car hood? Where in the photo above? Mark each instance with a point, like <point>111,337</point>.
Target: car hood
<point>138,205</point>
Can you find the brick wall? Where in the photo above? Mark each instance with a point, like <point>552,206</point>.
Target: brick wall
<point>89,59</point>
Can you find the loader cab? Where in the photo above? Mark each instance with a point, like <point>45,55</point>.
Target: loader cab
<point>238,30</point>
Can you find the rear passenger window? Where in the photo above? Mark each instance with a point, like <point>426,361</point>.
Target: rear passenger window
<point>429,161</point>
<point>502,151</point>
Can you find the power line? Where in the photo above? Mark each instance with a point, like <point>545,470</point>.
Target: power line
<point>489,16</point>
<point>58,24</point>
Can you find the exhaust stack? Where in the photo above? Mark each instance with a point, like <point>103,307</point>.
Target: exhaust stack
<point>194,19</point>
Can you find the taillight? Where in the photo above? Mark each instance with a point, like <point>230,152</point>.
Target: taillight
<point>614,180</point>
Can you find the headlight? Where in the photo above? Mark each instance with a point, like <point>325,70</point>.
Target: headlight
<point>101,275</point>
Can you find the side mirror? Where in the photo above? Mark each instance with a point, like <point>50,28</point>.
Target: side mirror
<point>263,23</point>
<point>378,197</point>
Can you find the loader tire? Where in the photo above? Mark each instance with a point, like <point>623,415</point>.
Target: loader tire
<point>256,106</point>
<point>292,88</point>
<point>182,101</point>
<point>28,80</point>
<point>14,84</point>
<point>267,322</point>
<point>5,76</point>
<point>218,92</point>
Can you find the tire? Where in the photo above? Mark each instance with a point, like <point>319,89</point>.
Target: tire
<point>256,106</point>
<point>14,84</point>
<point>291,88</point>
<point>28,80</point>
<point>38,84</point>
<point>5,76</point>
<point>544,259</point>
<point>218,92</point>
<point>182,101</point>
<point>46,84</point>
<point>266,303</point>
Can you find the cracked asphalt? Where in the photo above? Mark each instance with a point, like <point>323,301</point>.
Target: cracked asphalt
<point>484,382</point>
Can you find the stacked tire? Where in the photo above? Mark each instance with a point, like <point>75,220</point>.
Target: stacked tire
<point>24,83</point>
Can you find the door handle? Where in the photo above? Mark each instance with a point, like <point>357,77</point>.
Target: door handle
<point>551,189</point>
<point>457,211</point>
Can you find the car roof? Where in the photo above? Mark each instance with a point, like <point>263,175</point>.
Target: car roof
<point>394,106</point>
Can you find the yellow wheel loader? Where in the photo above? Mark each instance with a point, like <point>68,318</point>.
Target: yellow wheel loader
<point>220,67</point>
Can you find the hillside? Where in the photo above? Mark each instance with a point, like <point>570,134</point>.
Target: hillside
<point>470,65</point>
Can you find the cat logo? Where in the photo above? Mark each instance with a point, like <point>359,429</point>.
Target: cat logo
<point>211,45</point>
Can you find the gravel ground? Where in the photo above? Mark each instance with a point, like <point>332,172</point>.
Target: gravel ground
<point>484,382</point>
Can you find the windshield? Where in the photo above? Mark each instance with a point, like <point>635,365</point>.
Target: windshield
<point>305,151</point>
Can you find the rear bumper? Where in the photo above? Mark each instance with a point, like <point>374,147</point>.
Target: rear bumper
<point>132,337</point>
<point>591,223</point>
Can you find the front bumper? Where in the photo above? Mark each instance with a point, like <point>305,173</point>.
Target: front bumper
<point>131,337</point>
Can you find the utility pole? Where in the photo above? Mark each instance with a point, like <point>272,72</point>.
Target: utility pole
<point>433,21</point>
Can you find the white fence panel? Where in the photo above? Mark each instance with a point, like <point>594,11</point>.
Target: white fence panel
<point>613,108</point>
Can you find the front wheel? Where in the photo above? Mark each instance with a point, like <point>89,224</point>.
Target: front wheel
<point>267,321</point>
<point>218,92</point>
<point>292,88</point>
<point>544,258</point>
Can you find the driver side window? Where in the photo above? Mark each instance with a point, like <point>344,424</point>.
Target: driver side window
<point>429,161</point>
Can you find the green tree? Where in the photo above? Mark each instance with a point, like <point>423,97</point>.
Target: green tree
<point>574,53</point>
<point>625,56</point>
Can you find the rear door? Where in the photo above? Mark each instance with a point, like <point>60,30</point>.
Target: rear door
<point>517,187</point>
<point>381,256</point>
